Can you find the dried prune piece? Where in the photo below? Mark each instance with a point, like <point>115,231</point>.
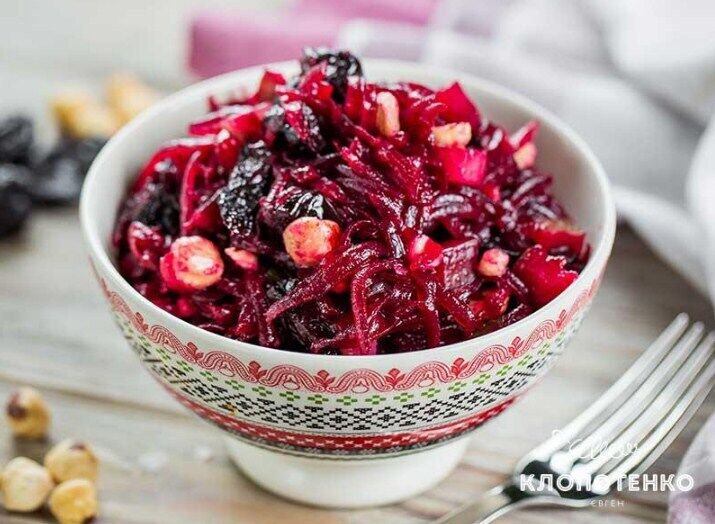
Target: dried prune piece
<point>16,139</point>
<point>293,126</point>
<point>155,205</point>
<point>306,326</point>
<point>15,203</point>
<point>61,172</point>
<point>161,208</point>
<point>285,203</point>
<point>278,284</point>
<point>21,175</point>
<point>248,182</point>
<point>302,120</point>
<point>59,180</point>
<point>86,149</point>
<point>339,65</point>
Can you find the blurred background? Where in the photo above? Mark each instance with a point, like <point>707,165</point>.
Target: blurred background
<point>51,45</point>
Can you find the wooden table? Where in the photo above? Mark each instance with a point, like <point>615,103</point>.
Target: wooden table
<point>162,465</point>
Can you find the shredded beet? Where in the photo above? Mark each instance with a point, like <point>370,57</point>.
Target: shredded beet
<point>328,214</point>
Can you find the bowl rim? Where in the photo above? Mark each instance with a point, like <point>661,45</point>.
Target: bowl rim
<point>591,271</point>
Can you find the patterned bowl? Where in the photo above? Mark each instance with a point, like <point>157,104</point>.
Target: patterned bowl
<point>337,430</point>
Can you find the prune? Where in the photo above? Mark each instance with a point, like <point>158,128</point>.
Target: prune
<point>58,181</point>
<point>306,326</point>
<point>285,203</point>
<point>159,208</point>
<point>20,175</point>
<point>156,204</point>
<point>15,203</point>
<point>277,130</point>
<point>86,149</point>
<point>339,65</point>
<point>60,174</point>
<point>293,126</point>
<point>16,139</point>
<point>247,183</point>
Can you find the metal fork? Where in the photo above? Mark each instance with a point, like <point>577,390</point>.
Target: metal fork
<point>622,433</point>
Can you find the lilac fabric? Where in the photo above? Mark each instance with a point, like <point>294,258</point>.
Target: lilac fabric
<point>416,12</point>
<point>694,507</point>
<point>697,506</point>
<point>222,41</point>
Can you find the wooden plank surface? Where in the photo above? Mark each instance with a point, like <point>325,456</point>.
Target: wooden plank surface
<point>161,465</point>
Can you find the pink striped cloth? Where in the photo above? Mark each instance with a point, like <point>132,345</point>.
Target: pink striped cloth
<point>222,41</point>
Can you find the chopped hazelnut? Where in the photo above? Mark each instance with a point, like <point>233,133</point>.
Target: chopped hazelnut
<point>388,114</point>
<point>80,115</point>
<point>455,134</point>
<point>25,485</point>
<point>242,258</point>
<point>494,263</point>
<point>525,156</point>
<point>28,415</point>
<point>74,501</point>
<point>67,103</point>
<point>128,96</point>
<point>72,459</point>
<point>94,120</point>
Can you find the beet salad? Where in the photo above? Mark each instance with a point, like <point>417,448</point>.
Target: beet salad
<point>328,214</point>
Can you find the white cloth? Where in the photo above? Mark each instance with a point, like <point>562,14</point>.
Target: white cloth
<point>636,78</point>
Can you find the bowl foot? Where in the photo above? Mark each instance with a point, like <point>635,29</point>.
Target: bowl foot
<point>337,483</point>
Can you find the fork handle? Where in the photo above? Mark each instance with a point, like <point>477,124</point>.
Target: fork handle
<point>493,504</point>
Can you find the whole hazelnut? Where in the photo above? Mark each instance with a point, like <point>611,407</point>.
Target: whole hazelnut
<point>72,459</point>
<point>28,415</point>
<point>80,115</point>
<point>128,96</point>
<point>25,485</point>
<point>309,239</point>
<point>67,103</point>
<point>74,501</point>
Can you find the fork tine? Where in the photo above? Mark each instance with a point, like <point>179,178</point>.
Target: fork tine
<point>640,369</point>
<point>672,425</point>
<point>653,415</point>
<point>632,406</point>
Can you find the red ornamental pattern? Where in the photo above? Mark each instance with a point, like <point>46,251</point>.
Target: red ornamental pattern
<point>362,380</point>
<point>353,443</point>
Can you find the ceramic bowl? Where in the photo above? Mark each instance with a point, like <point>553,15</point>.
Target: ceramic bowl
<point>337,430</point>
